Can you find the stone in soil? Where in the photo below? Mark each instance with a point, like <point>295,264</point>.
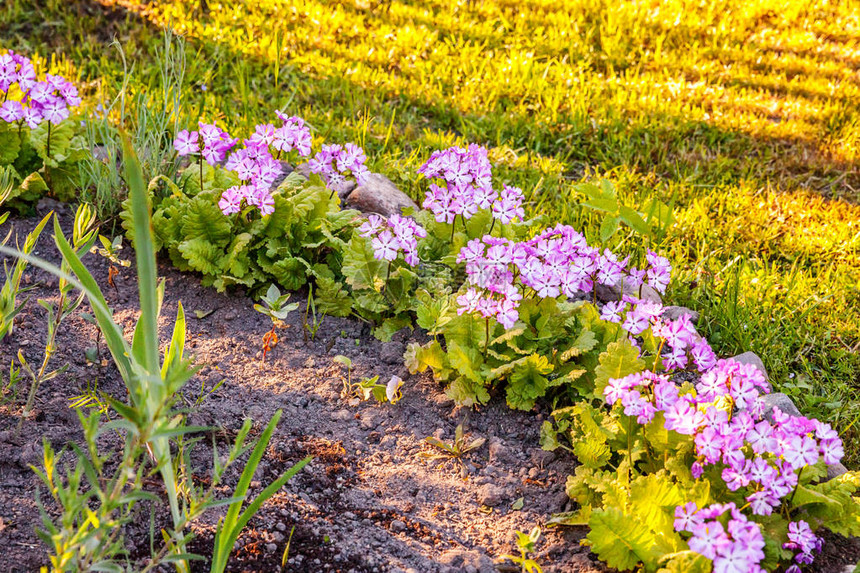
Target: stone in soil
<point>380,195</point>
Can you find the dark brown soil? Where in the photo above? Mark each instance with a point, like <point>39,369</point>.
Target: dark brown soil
<point>368,502</point>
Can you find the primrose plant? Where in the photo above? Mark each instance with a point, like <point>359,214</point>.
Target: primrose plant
<point>248,224</point>
<point>37,138</point>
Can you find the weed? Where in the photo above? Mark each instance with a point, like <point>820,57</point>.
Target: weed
<point>526,545</point>
<point>454,450</point>
<point>277,309</point>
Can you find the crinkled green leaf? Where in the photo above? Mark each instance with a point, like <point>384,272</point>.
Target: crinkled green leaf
<point>10,143</point>
<point>620,359</point>
<point>592,453</point>
<point>467,393</point>
<point>361,269</point>
<point>583,343</point>
<point>528,382</point>
<point>202,256</point>
<point>622,541</point>
<point>332,297</point>
<point>685,562</point>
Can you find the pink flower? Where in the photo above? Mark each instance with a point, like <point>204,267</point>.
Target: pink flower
<point>231,201</point>
<point>187,143</point>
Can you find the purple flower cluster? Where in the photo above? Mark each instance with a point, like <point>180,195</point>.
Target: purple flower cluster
<point>736,548</point>
<point>292,135</point>
<point>255,195</point>
<point>393,236</point>
<point>509,205</point>
<point>40,101</point>
<point>802,539</point>
<point>467,187</point>
<point>336,163</point>
<point>211,142</point>
<point>559,262</point>
<point>761,457</point>
<point>490,266</point>
<point>253,163</point>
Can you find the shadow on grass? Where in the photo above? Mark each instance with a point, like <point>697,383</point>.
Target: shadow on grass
<point>673,146</point>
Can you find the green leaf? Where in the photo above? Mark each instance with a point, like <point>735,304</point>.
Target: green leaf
<point>204,220</point>
<point>332,297</point>
<point>361,269</point>
<point>620,359</point>
<point>549,437</point>
<point>654,498</point>
<point>10,143</point>
<point>61,140</point>
<point>634,220</point>
<point>602,204</point>
<point>390,326</point>
<point>528,382</point>
<point>622,541</point>
<point>583,343</point>
<point>608,227</point>
<point>592,452</point>
<point>202,256</point>
<point>661,439</point>
<point>467,393</point>
<point>685,562</point>
<point>466,360</point>
<point>418,358</point>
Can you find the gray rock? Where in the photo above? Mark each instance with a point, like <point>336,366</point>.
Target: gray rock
<point>541,458</point>
<point>286,169</point>
<point>780,401</point>
<point>379,195</point>
<point>835,470</point>
<point>645,292</point>
<point>500,453</point>
<point>490,495</point>
<point>392,352</point>
<point>397,526</point>
<point>304,170</point>
<point>369,419</point>
<point>751,358</point>
<point>342,415</point>
<point>462,560</point>
<point>676,312</point>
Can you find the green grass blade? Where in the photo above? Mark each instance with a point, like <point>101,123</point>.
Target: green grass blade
<point>267,493</point>
<point>144,255</point>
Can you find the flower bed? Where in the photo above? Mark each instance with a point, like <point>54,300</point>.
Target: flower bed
<point>675,475</point>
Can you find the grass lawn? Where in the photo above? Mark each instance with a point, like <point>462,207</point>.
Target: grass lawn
<point>742,113</point>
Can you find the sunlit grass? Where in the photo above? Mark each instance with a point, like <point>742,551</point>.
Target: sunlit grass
<point>744,112</point>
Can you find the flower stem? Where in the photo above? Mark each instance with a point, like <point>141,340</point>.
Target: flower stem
<point>487,336</point>
<point>799,475</point>
<point>48,148</point>
<point>453,224</point>
<point>493,224</point>
<point>200,162</point>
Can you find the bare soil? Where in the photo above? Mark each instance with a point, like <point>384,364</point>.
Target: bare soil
<point>369,501</point>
